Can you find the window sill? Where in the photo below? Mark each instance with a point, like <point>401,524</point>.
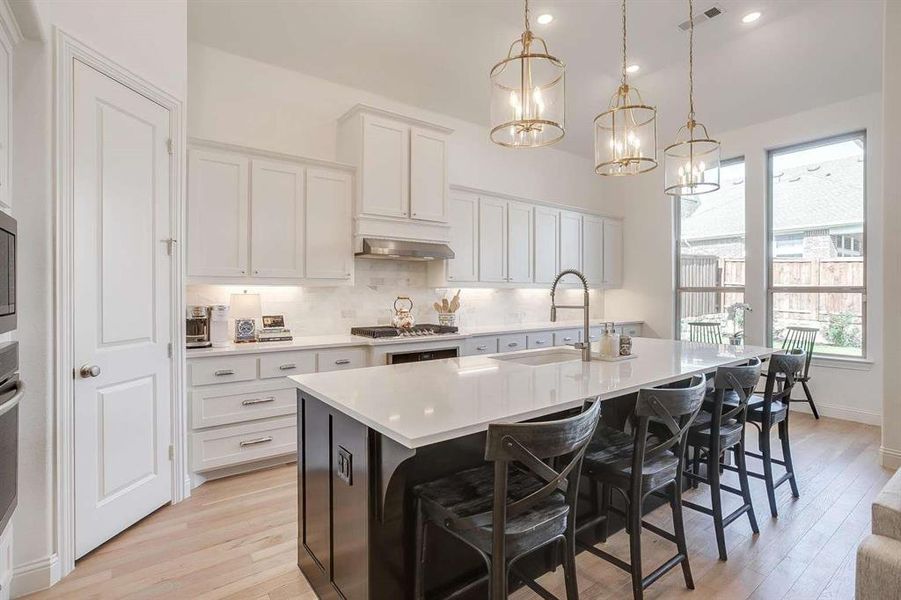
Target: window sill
<point>842,362</point>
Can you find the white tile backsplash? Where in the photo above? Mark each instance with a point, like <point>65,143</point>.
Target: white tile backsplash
<point>325,310</point>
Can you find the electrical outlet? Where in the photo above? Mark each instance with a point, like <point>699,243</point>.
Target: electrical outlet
<point>345,466</point>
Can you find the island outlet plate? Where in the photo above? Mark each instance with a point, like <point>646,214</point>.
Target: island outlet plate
<point>345,466</point>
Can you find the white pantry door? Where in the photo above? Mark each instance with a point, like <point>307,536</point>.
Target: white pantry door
<point>122,316</point>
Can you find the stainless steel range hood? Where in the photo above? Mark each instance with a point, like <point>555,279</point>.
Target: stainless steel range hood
<point>404,250</point>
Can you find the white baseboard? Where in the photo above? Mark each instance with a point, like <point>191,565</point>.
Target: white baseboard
<point>845,413</point>
<point>891,458</point>
<point>35,576</point>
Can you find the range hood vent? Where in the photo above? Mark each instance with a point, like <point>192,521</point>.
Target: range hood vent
<point>404,250</point>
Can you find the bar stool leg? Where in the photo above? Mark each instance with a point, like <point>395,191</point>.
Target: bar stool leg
<point>498,581</point>
<point>767,453</point>
<point>679,530</point>
<point>713,478</point>
<point>603,526</point>
<point>787,457</point>
<point>635,546</point>
<point>739,453</point>
<point>696,465</point>
<point>569,561</point>
<point>419,574</point>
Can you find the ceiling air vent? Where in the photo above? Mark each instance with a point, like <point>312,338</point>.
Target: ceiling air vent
<point>713,11</point>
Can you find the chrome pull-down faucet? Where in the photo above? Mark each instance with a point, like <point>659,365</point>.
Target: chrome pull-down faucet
<point>585,344</point>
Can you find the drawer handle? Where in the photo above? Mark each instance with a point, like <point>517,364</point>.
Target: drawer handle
<point>567,339</point>
<point>288,366</point>
<point>512,344</point>
<point>222,372</point>
<point>251,401</point>
<point>481,348</point>
<point>539,342</point>
<point>261,440</point>
<point>342,361</point>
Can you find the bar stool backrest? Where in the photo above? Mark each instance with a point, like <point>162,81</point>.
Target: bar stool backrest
<point>708,333</point>
<point>803,338</point>
<point>785,366</point>
<point>740,380</point>
<point>530,446</point>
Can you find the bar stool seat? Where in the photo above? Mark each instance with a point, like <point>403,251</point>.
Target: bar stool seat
<point>469,493</point>
<point>607,463</point>
<point>699,434</point>
<point>755,407</point>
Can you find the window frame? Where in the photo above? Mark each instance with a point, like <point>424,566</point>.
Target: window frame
<point>677,265</point>
<point>769,245</point>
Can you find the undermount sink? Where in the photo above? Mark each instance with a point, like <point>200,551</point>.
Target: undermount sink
<point>537,358</point>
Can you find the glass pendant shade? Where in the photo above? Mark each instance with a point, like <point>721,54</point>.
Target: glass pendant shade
<point>692,163</point>
<point>625,135</point>
<point>527,96</point>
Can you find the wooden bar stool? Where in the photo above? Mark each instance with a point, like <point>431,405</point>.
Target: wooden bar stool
<point>708,333</point>
<point>804,339</point>
<point>514,506</point>
<point>772,410</point>
<point>720,426</point>
<point>638,465</point>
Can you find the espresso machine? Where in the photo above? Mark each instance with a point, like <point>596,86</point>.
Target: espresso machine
<point>197,327</point>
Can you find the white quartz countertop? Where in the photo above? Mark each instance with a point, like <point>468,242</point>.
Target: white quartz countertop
<point>422,403</point>
<point>312,342</point>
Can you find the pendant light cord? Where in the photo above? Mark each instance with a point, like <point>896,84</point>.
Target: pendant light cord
<point>527,16</point>
<point>691,63</point>
<point>624,44</point>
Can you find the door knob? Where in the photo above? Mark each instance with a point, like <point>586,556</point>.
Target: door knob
<point>90,371</point>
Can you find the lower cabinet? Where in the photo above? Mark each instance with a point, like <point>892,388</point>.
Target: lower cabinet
<point>238,444</point>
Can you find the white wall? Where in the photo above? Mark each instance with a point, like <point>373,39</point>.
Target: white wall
<point>849,391</point>
<point>250,103</point>
<point>149,38</point>
<point>891,406</point>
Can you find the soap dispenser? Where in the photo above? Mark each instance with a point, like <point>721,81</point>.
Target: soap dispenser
<point>610,341</point>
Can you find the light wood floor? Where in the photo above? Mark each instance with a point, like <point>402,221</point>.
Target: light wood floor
<point>235,538</point>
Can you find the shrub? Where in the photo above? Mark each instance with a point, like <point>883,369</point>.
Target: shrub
<point>843,331</point>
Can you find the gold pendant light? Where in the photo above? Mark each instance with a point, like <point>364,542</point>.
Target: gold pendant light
<point>692,162</point>
<point>625,135</point>
<point>527,94</point>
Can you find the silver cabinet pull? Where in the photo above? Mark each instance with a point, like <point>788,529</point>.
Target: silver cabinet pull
<point>261,440</point>
<point>512,344</point>
<point>481,348</point>
<point>342,361</point>
<point>287,366</point>
<point>251,401</point>
<point>567,339</point>
<point>222,372</point>
<point>539,342</point>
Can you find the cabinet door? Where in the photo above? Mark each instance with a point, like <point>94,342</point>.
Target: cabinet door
<point>277,219</point>
<point>464,239</point>
<point>519,242</point>
<point>570,240</point>
<point>492,239</point>
<point>613,253</point>
<point>217,214</point>
<point>593,249</point>
<point>428,175</point>
<point>329,253</point>
<point>385,168</point>
<point>547,244</point>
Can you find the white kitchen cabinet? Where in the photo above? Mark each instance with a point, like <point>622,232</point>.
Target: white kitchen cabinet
<point>217,214</point>
<point>428,175</point>
<point>613,253</point>
<point>547,244</point>
<point>385,173</point>
<point>463,214</point>
<point>492,239</point>
<point>519,242</point>
<point>329,253</point>
<point>570,240</point>
<point>566,337</point>
<point>593,249</point>
<point>540,339</point>
<point>277,219</point>
<point>512,342</point>
<point>480,345</point>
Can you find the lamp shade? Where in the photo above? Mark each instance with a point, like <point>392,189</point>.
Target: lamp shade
<point>245,306</point>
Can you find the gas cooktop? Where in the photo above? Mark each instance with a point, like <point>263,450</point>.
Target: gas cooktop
<point>386,331</point>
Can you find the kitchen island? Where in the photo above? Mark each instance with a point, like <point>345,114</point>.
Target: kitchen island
<point>367,436</point>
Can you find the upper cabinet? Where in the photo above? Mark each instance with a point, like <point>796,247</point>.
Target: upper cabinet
<point>402,190</point>
<point>547,244</point>
<point>613,253</point>
<point>492,239</point>
<point>593,249</point>
<point>254,217</point>
<point>570,240</point>
<point>519,242</point>
<point>463,215</point>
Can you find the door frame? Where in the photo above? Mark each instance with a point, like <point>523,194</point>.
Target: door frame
<point>67,49</point>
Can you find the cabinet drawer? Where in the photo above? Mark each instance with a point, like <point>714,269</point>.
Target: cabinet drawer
<point>481,345</point>
<point>341,358</point>
<point>237,403</point>
<point>541,339</point>
<point>633,330</point>
<point>511,343</point>
<point>595,334</point>
<point>223,370</point>
<point>566,337</point>
<point>282,364</point>
<point>236,444</point>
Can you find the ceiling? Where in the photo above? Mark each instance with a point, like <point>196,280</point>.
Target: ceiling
<point>436,54</point>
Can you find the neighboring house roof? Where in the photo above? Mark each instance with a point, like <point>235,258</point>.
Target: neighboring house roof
<point>828,194</point>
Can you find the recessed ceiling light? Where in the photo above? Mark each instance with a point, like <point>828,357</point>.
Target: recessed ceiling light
<point>750,17</point>
<point>545,18</point>
<point>633,69</point>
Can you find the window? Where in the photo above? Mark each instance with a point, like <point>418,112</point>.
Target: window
<point>817,258</point>
<point>710,256</point>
